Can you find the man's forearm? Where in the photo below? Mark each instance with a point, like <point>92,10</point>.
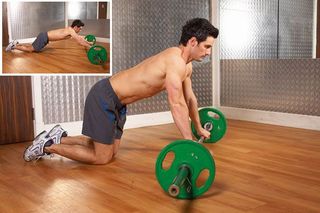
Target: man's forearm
<point>180,115</point>
<point>193,113</point>
<point>83,42</point>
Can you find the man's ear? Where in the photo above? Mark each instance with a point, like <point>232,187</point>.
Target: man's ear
<point>193,42</point>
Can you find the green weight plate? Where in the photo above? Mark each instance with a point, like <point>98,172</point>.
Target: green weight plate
<point>90,38</point>
<point>97,55</point>
<point>217,119</point>
<point>196,157</point>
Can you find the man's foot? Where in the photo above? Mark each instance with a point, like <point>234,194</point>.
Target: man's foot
<point>36,150</point>
<point>12,45</point>
<point>41,134</point>
<point>56,133</point>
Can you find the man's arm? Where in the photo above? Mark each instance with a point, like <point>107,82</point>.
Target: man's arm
<point>178,104</point>
<point>192,104</point>
<point>80,39</point>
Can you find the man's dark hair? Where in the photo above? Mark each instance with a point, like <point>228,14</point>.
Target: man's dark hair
<point>77,23</point>
<point>199,28</point>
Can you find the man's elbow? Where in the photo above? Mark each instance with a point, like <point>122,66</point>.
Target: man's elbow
<point>177,105</point>
<point>191,100</point>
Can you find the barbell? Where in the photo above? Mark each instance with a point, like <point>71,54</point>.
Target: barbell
<point>191,159</point>
<point>96,54</point>
<point>211,117</point>
<point>91,38</point>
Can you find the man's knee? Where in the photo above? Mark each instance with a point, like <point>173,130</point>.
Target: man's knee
<point>101,160</point>
<point>31,49</point>
<point>103,153</point>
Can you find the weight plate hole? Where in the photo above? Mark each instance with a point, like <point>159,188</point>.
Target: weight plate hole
<point>213,115</point>
<point>167,161</point>
<point>202,178</point>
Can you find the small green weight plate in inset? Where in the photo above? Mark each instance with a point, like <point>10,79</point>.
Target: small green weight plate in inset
<point>97,55</point>
<point>193,155</point>
<point>91,38</point>
<point>215,118</point>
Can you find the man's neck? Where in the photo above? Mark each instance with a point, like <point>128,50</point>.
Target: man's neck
<point>185,53</point>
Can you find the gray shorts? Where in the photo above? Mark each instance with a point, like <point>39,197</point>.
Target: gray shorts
<point>104,115</point>
<point>41,41</point>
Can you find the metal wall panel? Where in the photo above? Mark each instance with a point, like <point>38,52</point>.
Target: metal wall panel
<point>28,19</point>
<point>82,10</point>
<point>142,28</point>
<point>248,29</point>
<point>295,28</point>
<point>283,85</point>
<point>92,10</point>
<point>63,97</point>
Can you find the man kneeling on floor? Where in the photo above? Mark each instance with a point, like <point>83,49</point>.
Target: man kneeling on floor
<point>53,35</point>
<point>105,106</point>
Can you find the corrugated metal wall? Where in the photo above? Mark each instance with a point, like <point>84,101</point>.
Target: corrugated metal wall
<point>295,28</point>
<point>258,29</point>
<point>251,75</point>
<point>142,28</point>
<point>248,29</point>
<point>280,85</point>
<point>63,97</point>
<point>82,10</point>
<point>28,19</point>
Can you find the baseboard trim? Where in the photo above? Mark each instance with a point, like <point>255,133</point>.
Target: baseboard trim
<point>275,118</point>
<point>258,116</point>
<point>133,121</point>
<point>150,119</point>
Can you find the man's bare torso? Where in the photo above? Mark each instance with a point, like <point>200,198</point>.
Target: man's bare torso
<point>148,78</point>
<point>59,34</point>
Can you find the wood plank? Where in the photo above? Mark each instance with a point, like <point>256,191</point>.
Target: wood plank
<point>260,168</point>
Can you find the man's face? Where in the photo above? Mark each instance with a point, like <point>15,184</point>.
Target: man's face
<point>202,49</point>
<point>77,29</point>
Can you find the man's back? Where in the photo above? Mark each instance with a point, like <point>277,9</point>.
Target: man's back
<point>59,34</point>
<point>148,77</point>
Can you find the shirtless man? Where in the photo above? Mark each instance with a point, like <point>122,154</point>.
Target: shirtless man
<point>105,107</point>
<point>54,35</point>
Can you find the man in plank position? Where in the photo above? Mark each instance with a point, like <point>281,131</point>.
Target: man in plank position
<point>54,35</point>
<point>105,107</point>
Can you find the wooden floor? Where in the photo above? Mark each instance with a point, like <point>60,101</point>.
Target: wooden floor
<point>260,168</point>
<point>57,57</point>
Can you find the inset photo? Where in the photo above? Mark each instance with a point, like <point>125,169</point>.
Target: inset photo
<point>56,37</point>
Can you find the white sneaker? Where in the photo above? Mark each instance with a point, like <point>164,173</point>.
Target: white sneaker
<point>36,150</point>
<point>56,133</point>
<point>41,134</point>
<point>12,45</point>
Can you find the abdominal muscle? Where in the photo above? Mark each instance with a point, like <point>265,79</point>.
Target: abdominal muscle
<point>132,85</point>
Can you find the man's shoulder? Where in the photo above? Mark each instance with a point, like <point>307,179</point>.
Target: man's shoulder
<point>172,51</point>
<point>69,29</point>
<point>173,56</point>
